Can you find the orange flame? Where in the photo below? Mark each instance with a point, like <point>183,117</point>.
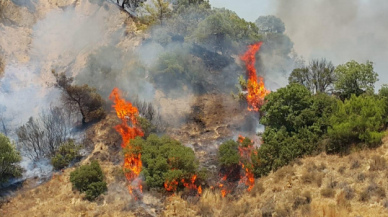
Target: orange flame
<point>171,186</point>
<point>246,153</point>
<point>132,161</point>
<point>255,86</point>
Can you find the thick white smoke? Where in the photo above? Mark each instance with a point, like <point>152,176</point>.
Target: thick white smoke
<point>340,31</point>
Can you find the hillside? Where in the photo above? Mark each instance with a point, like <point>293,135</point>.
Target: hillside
<point>182,109</point>
<point>322,185</point>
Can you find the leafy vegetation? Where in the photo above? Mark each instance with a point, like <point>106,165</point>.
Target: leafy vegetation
<point>83,98</point>
<point>358,119</point>
<point>89,179</point>
<point>355,78</point>
<point>9,159</point>
<point>318,77</point>
<point>295,123</point>
<point>66,153</point>
<point>165,159</point>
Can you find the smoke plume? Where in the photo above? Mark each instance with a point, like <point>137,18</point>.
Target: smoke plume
<point>340,31</point>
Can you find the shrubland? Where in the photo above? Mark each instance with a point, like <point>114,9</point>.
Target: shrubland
<point>9,159</point>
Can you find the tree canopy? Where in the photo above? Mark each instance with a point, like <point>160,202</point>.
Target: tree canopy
<point>165,159</point>
<point>318,76</point>
<point>355,78</point>
<point>270,24</point>
<point>9,159</point>
<point>82,98</point>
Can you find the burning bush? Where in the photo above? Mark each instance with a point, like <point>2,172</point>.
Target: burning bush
<point>66,153</point>
<point>9,158</point>
<point>89,179</point>
<point>166,163</point>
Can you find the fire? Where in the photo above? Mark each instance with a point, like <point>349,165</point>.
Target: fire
<point>132,161</point>
<point>172,185</point>
<point>256,88</point>
<point>246,153</point>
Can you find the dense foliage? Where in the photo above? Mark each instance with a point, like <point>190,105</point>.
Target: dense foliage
<point>66,153</point>
<point>228,155</point>
<point>165,159</point>
<point>304,118</point>
<point>81,98</point>
<point>355,78</point>
<point>9,159</point>
<point>295,123</point>
<point>358,119</point>
<point>89,179</point>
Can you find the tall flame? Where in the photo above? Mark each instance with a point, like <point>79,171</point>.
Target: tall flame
<point>132,160</point>
<point>255,86</point>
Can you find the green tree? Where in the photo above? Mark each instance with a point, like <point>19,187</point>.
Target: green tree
<point>83,98</point>
<point>165,159</point>
<point>9,159</point>
<point>318,77</point>
<point>228,155</point>
<point>296,122</point>
<point>359,119</point>
<point>66,153</point>
<point>270,24</point>
<point>225,32</point>
<point>89,179</point>
<point>158,11</point>
<point>355,78</point>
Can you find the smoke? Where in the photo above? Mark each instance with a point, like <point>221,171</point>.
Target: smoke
<point>340,31</point>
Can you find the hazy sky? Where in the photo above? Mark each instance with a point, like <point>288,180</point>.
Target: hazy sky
<point>339,31</point>
<point>247,9</point>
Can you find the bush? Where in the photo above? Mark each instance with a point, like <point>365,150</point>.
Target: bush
<point>296,122</point>
<point>66,153</point>
<point>9,158</point>
<point>165,159</point>
<point>228,155</point>
<point>89,179</point>
<point>359,119</point>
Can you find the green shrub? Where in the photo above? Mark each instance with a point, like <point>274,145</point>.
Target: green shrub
<point>165,159</point>
<point>296,122</point>
<point>357,120</point>
<point>89,179</point>
<point>66,153</point>
<point>9,159</point>
<point>228,155</point>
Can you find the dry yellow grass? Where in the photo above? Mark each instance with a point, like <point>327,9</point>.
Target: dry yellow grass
<point>283,193</point>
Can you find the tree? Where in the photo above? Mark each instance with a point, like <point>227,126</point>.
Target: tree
<point>318,77</point>
<point>159,10</point>
<point>225,32</point>
<point>66,153</point>
<point>358,119</point>
<point>41,137</point>
<point>83,98</point>
<point>9,159</point>
<point>295,124</point>
<point>165,160</point>
<point>89,179</point>
<point>355,78</point>
<point>270,24</point>
<point>228,155</point>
